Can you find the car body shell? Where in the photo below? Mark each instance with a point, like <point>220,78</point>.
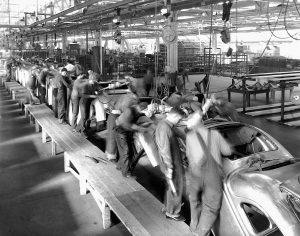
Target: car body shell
<point>253,186</point>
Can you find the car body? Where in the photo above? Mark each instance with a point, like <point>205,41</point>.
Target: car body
<point>261,186</point>
<point>261,193</point>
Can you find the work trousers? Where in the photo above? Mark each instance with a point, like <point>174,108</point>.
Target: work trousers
<point>126,162</point>
<point>75,110</point>
<point>59,102</point>
<point>173,202</point>
<point>111,145</point>
<point>205,196</point>
<point>84,106</point>
<point>42,93</point>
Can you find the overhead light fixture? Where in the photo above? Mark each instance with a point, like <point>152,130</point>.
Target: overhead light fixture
<point>117,19</point>
<point>166,11</point>
<point>84,10</point>
<point>50,5</point>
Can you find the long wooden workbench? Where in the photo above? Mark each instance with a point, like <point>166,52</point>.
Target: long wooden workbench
<point>137,209</point>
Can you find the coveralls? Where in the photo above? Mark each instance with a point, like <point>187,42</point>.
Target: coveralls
<point>42,84</point>
<point>148,82</point>
<point>76,94</point>
<point>171,158</point>
<point>121,104</point>
<point>124,137</point>
<point>203,149</point>
<point>60,85</point>
<point>85,104</point>
<point>31,84</point>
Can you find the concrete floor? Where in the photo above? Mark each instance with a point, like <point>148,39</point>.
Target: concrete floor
<point>38,198</point>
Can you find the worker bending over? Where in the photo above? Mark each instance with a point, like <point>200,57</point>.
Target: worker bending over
<point>125,126</point>
<point>171,162</point>
<point>203,149</point>
<point>90,87</point>
<point>42,82</point>
<point>60,83</point>
<point>76,95</point>
<point>123,102</point>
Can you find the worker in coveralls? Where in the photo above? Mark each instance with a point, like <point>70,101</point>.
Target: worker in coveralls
<point>171,162</point>
<point>203,149</point>
<point>60,83</point>
<point>126,124</point>
<point>123,102</point>
<point>42,79</point>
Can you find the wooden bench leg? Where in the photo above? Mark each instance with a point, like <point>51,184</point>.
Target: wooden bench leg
<point>31,119</point>
<point>44,136</point>
<point>82,185</point>
<point>66,163</point>
<point>37,127</point>
<point>25,110</point>
<point>106,219</point>
<point>53,148</point>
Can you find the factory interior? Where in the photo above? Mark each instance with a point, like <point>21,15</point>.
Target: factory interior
<point>149,117</point>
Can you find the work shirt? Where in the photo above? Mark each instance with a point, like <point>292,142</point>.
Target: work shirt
<point>195,153</point>
<point>78,87</point>
<point>32,80</point>
<point>43,77</point>
<point>127,119</point>
<point>125,101</point>
<point>168,145</point>
<point>58,81</point>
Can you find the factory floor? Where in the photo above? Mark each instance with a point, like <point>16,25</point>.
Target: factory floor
<point>38,198</point>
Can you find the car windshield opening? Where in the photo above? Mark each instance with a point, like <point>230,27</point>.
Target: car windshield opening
<point>245,140</point>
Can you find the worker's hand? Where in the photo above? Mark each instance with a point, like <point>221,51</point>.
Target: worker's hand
<point>169,173</point>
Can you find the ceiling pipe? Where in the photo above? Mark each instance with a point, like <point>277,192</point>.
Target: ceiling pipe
<point>78,7</point>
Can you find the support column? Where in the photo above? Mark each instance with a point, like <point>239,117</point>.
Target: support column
<point>64,42</point>
<point>101,53</point>
<point>172,47</point>
<point>87,41</point>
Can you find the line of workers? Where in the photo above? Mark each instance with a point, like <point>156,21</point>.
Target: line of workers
<point>203,147</point>
<point>203,151</point>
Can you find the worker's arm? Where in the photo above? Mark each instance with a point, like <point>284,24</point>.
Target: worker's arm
<point>225,148</point>
<point>125,120</point>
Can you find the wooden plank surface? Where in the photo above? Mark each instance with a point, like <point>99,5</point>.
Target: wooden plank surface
<point>264,107</point>
<point>139,210</point>
<point>147,209</point>
<point>287,117</point>
<point>272,111</point>
<point>293,123</point>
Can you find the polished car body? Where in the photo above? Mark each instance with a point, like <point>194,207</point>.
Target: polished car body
<point>261,188</point>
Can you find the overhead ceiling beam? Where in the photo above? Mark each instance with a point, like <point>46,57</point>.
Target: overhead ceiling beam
<point>12,26</point>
